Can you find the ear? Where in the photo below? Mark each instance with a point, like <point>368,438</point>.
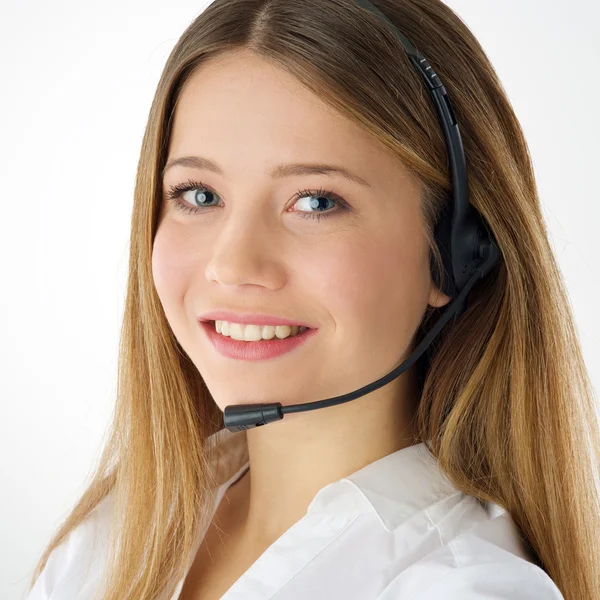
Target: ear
<point>437,298</point>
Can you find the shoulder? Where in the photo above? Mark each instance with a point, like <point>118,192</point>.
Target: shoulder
<point>511,580</point>
<point>480,554</point>
<point>74,568</point>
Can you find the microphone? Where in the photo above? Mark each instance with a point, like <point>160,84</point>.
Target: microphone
<point>239,417</point>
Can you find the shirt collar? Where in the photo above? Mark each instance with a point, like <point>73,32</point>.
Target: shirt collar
<point>394,487</point>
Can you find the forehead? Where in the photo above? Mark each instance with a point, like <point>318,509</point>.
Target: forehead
<point>245,112</point>
<point>245,95</point>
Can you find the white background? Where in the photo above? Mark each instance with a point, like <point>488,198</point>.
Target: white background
<point>77,83</point>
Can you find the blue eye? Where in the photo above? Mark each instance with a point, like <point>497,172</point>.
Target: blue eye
<point>205,195</point>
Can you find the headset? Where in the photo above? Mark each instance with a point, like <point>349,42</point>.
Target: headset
<point>468,250</point>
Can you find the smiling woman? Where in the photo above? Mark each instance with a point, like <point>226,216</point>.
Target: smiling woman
<point>292,175</point>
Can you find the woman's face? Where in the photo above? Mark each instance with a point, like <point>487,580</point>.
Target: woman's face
<point>360,276</point>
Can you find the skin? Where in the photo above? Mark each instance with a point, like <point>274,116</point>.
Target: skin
<point>361,277</point>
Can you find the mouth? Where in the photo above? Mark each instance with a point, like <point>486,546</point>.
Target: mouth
<point>260,349</point>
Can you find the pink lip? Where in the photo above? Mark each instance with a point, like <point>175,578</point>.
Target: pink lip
<point>248,319</point>
<point>261,350</point>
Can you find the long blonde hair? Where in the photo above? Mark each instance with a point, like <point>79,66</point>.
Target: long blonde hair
<point>506,407</point>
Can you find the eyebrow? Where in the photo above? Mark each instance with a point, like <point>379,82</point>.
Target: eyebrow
<point>279,172</point>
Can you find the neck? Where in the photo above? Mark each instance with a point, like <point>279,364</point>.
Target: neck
<point>292,459</point>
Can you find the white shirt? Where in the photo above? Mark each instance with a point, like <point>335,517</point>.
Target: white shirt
<point>396,529</point>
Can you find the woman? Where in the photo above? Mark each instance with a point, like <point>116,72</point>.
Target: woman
<point>472,474</point>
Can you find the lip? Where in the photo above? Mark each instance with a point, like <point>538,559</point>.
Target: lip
<point>248,319</point>
<point>262,350</point>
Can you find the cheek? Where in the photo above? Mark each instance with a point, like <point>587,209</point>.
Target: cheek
<point>376,291</point>
<point>172,266</point>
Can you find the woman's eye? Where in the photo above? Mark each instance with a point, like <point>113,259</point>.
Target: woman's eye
<point>199,197</point>
<point>315,203</point>
<point>195,197</point>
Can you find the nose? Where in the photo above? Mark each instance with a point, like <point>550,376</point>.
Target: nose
<point>246,249</point>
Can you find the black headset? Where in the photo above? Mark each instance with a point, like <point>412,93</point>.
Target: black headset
<point>468,250</point>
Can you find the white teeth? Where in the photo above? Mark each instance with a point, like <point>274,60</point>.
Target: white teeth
<point>254,333</point>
